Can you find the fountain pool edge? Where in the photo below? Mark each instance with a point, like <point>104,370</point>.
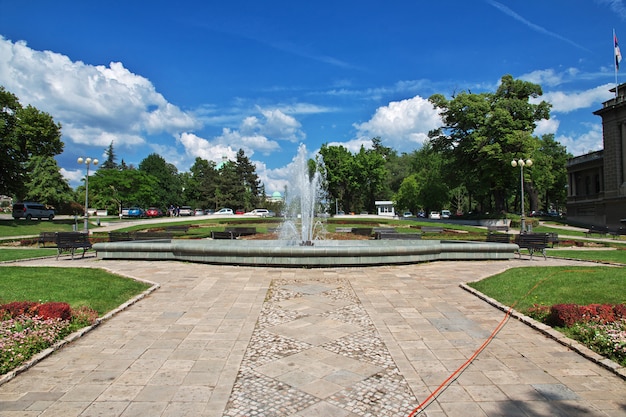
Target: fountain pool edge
<point>322,255</point>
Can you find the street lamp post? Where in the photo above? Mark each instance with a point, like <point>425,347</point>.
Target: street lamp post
<point>87,162</point>
<point>521,164</point>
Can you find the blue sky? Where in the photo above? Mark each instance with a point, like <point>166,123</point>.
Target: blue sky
<point>205,78</point>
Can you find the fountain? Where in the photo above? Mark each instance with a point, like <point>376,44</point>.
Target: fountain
<point>301,242</point>
<point>302,200</point>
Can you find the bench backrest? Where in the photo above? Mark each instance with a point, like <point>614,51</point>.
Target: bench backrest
<point>69,238</point>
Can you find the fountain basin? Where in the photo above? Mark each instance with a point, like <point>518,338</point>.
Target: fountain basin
<point>323,253</point>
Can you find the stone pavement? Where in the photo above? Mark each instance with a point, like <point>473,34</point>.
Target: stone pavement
<point>376,341</point>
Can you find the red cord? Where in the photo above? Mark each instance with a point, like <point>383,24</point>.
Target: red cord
<point>461,368</point>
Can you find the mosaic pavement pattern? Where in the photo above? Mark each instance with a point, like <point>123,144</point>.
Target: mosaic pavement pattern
<point>315,352</point>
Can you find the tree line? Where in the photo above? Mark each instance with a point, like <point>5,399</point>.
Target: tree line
<point>465,166</point>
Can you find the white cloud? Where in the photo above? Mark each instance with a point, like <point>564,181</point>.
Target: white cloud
<point>566,102</point>
<point>94,103</point>
<point>549,77</point>
<point>545,127</point>
<point>584,143</point>
<point>74,177</point>
<point>403,125</point>
<point>196,146</point>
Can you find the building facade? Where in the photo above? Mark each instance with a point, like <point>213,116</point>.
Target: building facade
<point>596,192</point>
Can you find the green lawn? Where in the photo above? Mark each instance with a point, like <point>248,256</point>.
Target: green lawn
<point>22,227</point>
<point>547,286</point>
<point>94,288</point>
<point>614,256</point>
<point>15,254</point>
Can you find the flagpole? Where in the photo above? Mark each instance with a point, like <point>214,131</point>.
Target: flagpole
<point>615,59</point>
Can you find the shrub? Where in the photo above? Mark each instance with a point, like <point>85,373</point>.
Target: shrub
<point>564,315</point>
<point>83,316</point>
<point>18,308</point>
<point>55,310</point>
<point>539,312</point>
<point>608,340</point>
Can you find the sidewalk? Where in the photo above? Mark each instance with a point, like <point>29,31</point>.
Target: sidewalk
<point>235,341</point>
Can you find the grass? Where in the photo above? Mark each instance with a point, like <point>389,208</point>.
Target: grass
<point>613,256</point>
<point>524,287</point>
<point>22,227</point>
<point>16,254</point>
<point>78,287</point>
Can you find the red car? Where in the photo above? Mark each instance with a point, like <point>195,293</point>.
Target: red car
<point>154,212</point>
<point>240,211</point>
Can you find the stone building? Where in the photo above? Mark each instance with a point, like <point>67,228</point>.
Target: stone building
<point>596,192</point>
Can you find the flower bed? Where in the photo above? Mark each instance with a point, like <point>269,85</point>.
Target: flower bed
<point>600,327</point>
<point>27,328</point>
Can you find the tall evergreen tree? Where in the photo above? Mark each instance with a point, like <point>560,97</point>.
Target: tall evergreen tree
<point>110,163</point>
<point>46,184</point>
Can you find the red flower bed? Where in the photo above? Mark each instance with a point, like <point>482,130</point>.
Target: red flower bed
<point>566,315</point>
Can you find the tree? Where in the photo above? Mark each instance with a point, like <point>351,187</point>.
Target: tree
<point>169,185</point>
<point>46,184</point>
<point>230,189</point>
<point>338,166</point>
<point>24,133</point>
<point>482,133</point>
<point>250,182</point>
<point>549,174</point>
<point>110,161</point>
<point>202,182</point>
<point>371,175</point>
<point>407,197</point>
<point>113,189</point>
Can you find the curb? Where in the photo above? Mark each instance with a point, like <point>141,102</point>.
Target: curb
<point>548,331</point>
<point>80,332</point>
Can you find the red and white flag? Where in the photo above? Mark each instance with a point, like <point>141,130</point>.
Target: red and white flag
<point>618,54</point>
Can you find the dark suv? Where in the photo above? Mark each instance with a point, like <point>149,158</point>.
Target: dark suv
<point>29,210</point>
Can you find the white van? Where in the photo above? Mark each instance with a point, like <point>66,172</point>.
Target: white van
<point>32,210</point>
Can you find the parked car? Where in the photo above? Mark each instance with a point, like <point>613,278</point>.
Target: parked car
<point>421,214</point>
<point>154,212</point>
<point>258,212</point>
<point>434,215</point>
<point>209,211</point>
<point>240,211</point>
<point>136,212</point>
<point>225,210</point>
<point>125,212</point>
<point>199,212</point>
<point>445,214</point>
<point>185,211</point>
<point>29,210</point>
<point>407,214</point>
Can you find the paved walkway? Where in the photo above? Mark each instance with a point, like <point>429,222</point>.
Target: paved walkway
<point>239,341</point>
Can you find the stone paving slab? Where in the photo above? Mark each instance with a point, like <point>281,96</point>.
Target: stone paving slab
<point>221,340</point>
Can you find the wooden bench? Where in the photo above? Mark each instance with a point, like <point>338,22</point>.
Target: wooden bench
<point>70,241</point>
<point>46,237</point>
<point>534,242</point>
<point>120,237</point>
<point>184,228</point>
<point>241,231</point>
<point>151,236</point>
<point>597,230</point>
<point>553,239</point>
<point>222,235</point>
<point>362,231</point>
<point>384,230</point>
<point>343,230</point>
<point>616,233</point>
<point>498,237</point>
<point>498,228</point>
<point>432,229</point>
<point>397,236</point>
